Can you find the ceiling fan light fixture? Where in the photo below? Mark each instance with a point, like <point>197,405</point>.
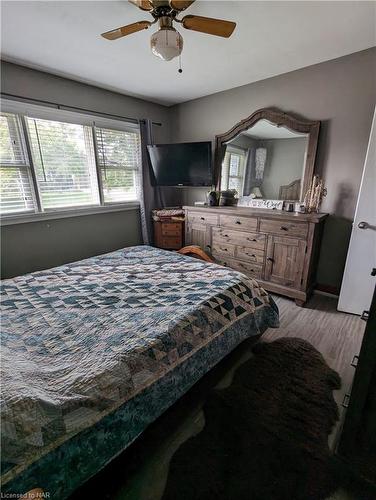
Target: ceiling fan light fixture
<point>166,43</point>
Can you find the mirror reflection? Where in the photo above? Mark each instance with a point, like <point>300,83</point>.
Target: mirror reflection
<point>266,161</point>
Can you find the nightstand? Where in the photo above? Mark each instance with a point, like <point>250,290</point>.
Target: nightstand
<point>169,234</point>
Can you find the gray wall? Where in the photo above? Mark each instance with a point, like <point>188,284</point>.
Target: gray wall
<point>32,84</point>
<point>40,245</point>
<point>243,141</point>
<point>284,164</point>
<point>342,94</point>
<point>44,244</point>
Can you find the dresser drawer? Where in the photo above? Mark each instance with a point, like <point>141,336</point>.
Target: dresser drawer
<point>246,223</point>
<point>223,249</point>
<point>171,229</point>
<point>286,228</point>
<point>253,270</point>
<point>203,218</point>
<point>171,242</point>
<point>250,254</point>
<point>222,235</point>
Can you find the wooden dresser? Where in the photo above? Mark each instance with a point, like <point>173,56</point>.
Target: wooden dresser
<point>279,249</point>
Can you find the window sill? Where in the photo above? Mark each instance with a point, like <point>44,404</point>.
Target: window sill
<point>8,220</point>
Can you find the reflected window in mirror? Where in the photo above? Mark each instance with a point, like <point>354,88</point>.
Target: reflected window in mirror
<point>233,169</point>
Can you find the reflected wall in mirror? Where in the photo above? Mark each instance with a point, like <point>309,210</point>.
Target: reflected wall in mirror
<point>265,161</point>
<point>269,155</point>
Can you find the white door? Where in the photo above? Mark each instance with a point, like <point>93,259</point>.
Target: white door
<point>358,283</point>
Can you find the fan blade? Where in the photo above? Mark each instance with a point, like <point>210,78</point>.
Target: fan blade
<point>217,27</point>
<point>142,4</point>
<point>180,4</point>
<point>126,30</point>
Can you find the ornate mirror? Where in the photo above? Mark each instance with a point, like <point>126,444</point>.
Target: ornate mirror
<point>268,155</point>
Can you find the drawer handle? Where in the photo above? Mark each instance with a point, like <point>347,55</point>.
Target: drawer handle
<point>346,400</point>
<point>354,361</point>
<point>270,259</point>
<point>238,222</point>
<point>225,235</point>
<point>251,239</point>
<point>202,218</point>
<point>284,228</point>
<point>245,267</point>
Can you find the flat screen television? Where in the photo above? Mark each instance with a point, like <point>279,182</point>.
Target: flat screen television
<point>184,164</point>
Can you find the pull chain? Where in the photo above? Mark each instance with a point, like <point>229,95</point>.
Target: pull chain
<point>180,69</point>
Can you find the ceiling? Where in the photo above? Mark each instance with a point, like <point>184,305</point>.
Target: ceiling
<point>263,129</point>
<point>270,38</point>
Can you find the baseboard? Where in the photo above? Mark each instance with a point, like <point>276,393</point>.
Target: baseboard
<point>327,290</point>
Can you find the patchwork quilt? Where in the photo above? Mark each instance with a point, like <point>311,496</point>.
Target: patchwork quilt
<point>94,351</point>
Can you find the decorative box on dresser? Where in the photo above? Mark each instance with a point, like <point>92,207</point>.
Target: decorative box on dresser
<point>280,249</point>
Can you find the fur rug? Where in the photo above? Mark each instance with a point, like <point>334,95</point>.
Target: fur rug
<point>265,436</point>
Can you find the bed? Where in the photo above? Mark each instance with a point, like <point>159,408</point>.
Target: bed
<point>96,350</point>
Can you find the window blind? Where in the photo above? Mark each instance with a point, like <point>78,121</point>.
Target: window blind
<point>64,162</point>
<point>16,194</point>
<point>54,160</point>
<point>118,156</point>
<point>12,152</point>
<point>235,180</point>
<point>233,171</point>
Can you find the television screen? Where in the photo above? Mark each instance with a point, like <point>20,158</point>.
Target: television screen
<point>185,164</point>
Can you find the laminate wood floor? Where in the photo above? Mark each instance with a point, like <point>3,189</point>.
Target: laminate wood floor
<point>141,471</point>
<point>337,335</point>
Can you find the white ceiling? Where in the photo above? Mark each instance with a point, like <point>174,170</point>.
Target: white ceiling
<point>271,38</point>
<point>263,129</point>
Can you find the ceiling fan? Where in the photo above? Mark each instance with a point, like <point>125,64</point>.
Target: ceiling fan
<point>167,43</point>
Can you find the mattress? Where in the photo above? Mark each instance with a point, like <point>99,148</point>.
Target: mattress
<point>96,350</point>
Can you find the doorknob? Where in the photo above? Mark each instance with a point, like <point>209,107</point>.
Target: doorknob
<point>365,225</point>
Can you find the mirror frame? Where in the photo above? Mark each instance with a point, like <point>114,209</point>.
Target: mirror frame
<point>280,119</point>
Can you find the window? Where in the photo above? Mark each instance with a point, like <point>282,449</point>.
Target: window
<point>16,194</point>
<point>60,164</point>
<point>233,171</point>
<point>118,154</point>
<point>64,163</point>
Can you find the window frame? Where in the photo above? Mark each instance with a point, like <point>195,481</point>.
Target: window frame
<point>101,168</point>
<point>26,166</point>
<point>236,151</point>
<point>23,110</point>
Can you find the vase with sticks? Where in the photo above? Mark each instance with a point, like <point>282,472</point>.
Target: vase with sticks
<point>314,195</point>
